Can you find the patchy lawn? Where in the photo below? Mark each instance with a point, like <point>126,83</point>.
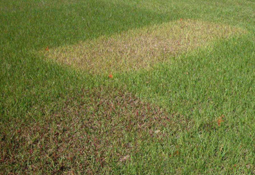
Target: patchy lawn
<point>92,134</point>
<point>140,48</point>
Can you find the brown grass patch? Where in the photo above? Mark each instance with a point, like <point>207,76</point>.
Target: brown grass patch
<point>89,134</point>
<point>140,48</point>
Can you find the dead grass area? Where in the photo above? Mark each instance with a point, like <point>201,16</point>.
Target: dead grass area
<point>89,134</point>
<point>140,48</point>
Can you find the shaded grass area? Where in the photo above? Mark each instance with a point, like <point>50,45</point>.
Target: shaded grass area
<point>237,12</point>
<point>94,132</point>
<point>68,23</point>
<point>21,6</point>
<point>140,49</point>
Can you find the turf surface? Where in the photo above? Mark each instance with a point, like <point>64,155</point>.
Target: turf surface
<point>191,114</point>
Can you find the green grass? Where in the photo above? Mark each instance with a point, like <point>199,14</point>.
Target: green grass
<point>193,114</point>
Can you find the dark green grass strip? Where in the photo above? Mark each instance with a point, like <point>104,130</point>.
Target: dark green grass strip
<point>36,28</point>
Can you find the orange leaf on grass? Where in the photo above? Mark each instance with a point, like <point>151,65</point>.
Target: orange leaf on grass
<point>47,48</point>
<point>220,120</point>
<point>110,76</point>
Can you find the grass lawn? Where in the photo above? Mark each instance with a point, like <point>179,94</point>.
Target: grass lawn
<point>127,87</point>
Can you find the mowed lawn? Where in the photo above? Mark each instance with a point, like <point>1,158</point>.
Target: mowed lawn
<point>127,87</point>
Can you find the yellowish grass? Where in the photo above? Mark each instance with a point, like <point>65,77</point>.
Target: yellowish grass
<point>140,48</point>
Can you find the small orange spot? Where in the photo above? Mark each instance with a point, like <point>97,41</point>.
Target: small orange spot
<point>220,120</point>
<point>47,48</point>
<point>181,19</point>
<point>110,76</point>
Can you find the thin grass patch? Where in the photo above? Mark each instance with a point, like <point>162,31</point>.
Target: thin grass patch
<point>93,133</point>
<point>140,48</point>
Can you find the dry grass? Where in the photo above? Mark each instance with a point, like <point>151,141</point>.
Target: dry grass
<point>88,134</point>
<point>140,48</point>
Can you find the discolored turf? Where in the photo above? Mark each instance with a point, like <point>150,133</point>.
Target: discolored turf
<point>94,133</point>
<point>140,48</point>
